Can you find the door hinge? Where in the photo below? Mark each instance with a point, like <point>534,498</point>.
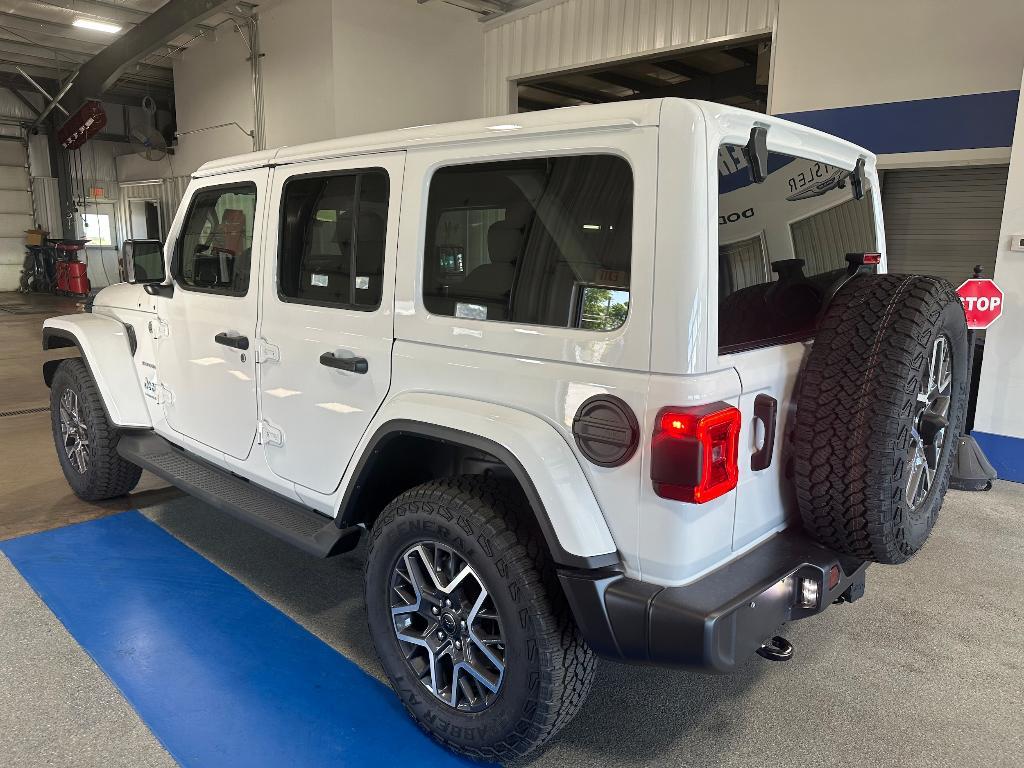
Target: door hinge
<point>268,434</point>
<point>267,352</point>
<point>159,328</point>
<point>164,396</point>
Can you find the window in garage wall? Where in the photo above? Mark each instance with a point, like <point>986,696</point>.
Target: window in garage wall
<point>943,221</point>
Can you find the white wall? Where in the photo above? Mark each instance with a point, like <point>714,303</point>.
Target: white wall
<point>834,53</point>
<point>1002,376</point>
<point>298,71</point>
<point>398,63</point>
<point>331,68</point>
<point>212,85</point>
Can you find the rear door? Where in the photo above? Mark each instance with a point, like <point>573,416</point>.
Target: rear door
<point>205,347</point>
<point>782,246</point>
<point>327,322</point>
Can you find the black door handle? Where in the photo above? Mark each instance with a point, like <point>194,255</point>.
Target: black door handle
<point>765,410</point>
<point>352,364</point>
<point>232,340</point>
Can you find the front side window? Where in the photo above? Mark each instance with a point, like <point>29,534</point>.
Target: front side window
<point>333,231</point>
<point>542,241</point>
<point>215,246</point>
<point>782,244</point>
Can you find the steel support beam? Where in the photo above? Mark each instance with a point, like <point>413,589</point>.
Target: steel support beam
<point>623,81</point>
<point>59,167</point>
<point>98,75</point>
<point>568,92</point>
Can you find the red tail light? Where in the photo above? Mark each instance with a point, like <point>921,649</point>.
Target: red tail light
<point>694,452</point>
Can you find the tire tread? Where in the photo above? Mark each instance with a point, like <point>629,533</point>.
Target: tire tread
<point>502,518</point>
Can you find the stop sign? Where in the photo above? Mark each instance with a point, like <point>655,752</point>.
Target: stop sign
<point>983,302</point>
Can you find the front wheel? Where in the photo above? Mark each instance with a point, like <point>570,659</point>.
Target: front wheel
<point>85,440</point>
<point>469,622</point>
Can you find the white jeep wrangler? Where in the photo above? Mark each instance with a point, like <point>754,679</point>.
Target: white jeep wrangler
<point>623,380</point>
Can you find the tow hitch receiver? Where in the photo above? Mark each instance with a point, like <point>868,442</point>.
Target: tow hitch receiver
<point>776,649</point>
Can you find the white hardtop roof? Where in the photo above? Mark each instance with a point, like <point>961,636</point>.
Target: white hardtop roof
<point>628,114</point>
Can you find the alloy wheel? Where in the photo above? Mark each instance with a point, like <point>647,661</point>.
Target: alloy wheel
<point>74,431</point>
<point>931,421</point>
<point>447,626</point>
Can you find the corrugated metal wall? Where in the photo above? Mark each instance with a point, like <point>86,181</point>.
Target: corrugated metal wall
<point>577,33</point>
<point>943,221</point>
<point>47,204</point>
<point>167,193</point>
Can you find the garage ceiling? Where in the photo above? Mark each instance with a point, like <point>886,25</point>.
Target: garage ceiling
<point>40,36</point>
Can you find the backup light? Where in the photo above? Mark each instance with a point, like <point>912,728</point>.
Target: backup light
<point>694,452</point>
<point>808,593</point>
<point>96,26</point>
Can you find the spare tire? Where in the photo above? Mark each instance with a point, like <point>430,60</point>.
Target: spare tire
<point>880,405</point>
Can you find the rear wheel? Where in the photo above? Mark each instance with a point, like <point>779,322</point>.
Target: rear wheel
<point>469,622</point>
<point>85,440</point>
<point>880,406</point>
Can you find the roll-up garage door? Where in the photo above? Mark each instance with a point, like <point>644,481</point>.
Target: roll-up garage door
<point>943,221</point>
<point>15,210</point>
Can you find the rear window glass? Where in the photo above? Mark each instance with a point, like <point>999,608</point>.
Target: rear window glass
<point>782,244</point>
<point>544,241</point>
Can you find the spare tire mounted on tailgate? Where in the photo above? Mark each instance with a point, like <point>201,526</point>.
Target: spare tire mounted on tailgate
<point>880,406</point>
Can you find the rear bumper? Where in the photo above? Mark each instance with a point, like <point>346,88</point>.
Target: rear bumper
<point>716,622</point>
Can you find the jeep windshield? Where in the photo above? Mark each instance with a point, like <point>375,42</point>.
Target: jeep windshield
<point>781,244</point>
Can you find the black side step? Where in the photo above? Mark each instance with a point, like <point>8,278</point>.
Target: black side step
<point>294,523</point>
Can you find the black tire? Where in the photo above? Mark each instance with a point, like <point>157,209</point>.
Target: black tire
<point>549,668</point>
<point>106,474</point>
<point>859,420</point>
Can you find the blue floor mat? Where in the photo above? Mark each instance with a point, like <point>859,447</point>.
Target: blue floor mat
<point>220,676</point>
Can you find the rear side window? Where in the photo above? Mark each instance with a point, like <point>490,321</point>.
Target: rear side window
<point>215,247</point>
<point>782,244</point>
<point>332,239</point>
<point>542,241</point>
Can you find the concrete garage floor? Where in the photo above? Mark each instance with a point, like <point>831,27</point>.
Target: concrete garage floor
<point>33,493</point>
<point>926,670</point>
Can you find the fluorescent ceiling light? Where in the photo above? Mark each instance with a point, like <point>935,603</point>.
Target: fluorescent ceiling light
<point>504,127</point>
<point>98,26</point>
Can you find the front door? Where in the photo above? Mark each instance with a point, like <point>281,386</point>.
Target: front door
<point>206,354</point>
<point>782,253</point>
<point>327,322</point>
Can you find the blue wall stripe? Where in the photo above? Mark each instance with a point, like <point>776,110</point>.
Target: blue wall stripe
<point>1005,453</point>
<point>220,676</point>
<point>927,125</point>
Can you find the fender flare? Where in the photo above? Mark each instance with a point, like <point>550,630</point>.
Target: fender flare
<point>107,349</point>
<point>537,455</point>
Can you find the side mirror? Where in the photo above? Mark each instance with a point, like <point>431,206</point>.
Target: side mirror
<point>142,261</point>
<point>158,289</point>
